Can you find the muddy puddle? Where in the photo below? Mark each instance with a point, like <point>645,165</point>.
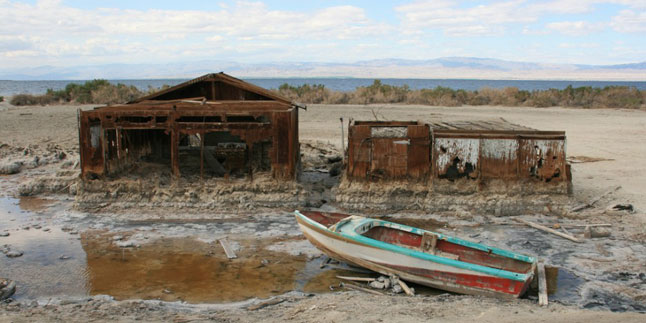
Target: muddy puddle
<point>195,271</point>
<point>58,261</point>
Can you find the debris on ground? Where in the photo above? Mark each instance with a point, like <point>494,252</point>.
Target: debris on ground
<point>7,288</point>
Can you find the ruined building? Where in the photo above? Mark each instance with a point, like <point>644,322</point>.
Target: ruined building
<point>209,127</point>
<point>442,153</point>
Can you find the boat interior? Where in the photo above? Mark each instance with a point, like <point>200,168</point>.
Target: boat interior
<point>427,242</point>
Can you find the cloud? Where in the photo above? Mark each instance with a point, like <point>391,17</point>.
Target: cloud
<point>52,32</point>
<point>629,21</point>
<point>574,28</point>
<point>579,45</point>
<point>56,30</point>
<point>455,20</point>
<point>13,43</point>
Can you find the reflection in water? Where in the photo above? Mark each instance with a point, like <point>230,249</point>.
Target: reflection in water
<point>34,204</point>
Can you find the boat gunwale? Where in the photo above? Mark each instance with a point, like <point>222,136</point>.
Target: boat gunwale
<point>357,238</point>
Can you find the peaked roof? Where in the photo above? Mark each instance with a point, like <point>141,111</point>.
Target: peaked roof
<point>219,77</point>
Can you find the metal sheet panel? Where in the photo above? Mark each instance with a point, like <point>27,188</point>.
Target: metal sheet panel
<point>499,158</point>
<point>543,159</point>
<point>419,152</point>
<point>456,157</point>
<point>389,158</point>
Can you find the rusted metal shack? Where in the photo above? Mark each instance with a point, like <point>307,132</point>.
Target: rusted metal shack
<point>435,152</point>
<point>211,126</point>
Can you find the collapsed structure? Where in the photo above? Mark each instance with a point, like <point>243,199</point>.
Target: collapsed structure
<point>442,152</point>
<point>211,126</point>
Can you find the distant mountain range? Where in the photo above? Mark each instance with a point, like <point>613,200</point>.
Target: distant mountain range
<point>442,68</point>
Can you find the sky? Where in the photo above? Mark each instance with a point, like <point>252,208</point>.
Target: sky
<point>78,32</point>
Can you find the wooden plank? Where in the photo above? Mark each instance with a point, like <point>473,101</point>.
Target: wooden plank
<point>542,285</point>
<point>546,229</point>
<point>358,279</point>
<point>355,287</point>
<point>227,249</point>
<point>405,287</point>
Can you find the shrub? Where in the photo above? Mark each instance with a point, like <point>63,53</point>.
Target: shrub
<point>28,99</point>
<point>95,91</point>
<point>1,98</point>
<point>113,94</point>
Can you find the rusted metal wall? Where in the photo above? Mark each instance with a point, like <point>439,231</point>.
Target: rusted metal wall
<point>411,150</point>
<point>507,155</point>
<point>388,150</point>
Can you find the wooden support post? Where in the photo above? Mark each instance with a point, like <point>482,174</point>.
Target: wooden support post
<point>104,151</point>
<point>174,153</point>
<point>118,131</point>
<point>542,285</point>
<point>202,134</point>
<point>342,140</point>
<point>250,158</point>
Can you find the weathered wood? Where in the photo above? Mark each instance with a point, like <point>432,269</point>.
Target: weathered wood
<point>586,225</point>
<point>546,229</point>
<point>405,287</point>
<point>227,248</point>
<point>362,289</point>
<point>342,140</point>
<point>270,302</point>
<point>358,279</point>
<point>542,285</point>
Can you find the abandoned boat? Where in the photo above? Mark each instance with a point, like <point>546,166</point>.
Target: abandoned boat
<point>419,256</point>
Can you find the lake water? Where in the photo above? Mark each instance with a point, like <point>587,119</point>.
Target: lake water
<point>8,88</point>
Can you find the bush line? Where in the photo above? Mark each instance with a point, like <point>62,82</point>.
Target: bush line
<point>91,92</point>
<point>623,97</point>
<point>584,97</point>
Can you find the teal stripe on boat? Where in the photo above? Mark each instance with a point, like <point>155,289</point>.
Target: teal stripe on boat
<point>497,251</point>
<point>348,232</point>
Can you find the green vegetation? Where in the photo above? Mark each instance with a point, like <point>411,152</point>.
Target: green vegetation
<point>91,92</point>
<point>620,97</point>
<point>1,98</point>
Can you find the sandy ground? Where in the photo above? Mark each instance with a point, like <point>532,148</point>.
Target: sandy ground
<point>612,135</point>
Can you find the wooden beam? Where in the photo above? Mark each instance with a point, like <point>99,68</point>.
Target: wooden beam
<point>174,153</point>
<point>542,285</point>
<point>227,248</point>
<point>546,229</point>
<point>358,279</point>
<point>405,287</point>
<point>355,287</point>
<point>202,134</point>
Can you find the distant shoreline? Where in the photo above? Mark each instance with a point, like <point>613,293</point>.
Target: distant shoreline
<point>37,87</point>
